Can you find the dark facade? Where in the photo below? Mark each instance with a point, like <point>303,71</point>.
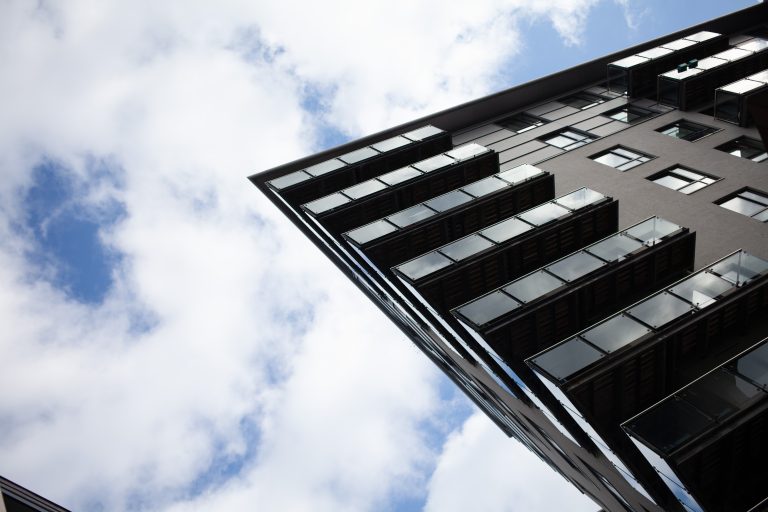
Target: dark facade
<point>586,256</point>
<point>15,498</point>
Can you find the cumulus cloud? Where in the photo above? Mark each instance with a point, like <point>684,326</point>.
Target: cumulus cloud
<point>222,367</point>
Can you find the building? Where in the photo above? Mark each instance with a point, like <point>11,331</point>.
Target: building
<point>15,498</point>
<point>586,256</point>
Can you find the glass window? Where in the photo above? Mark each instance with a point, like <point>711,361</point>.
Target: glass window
<point>372,231</point>
<point>325,167</point>
<point>448,201</point>
<point>614,248</point>
<point>436,162</point>
<point>575,266</point>
<point>621,158</point>
<point>327,203</point>
<point>411,215</point>
<point>562,361</point>
<point>486,308</point>
<point>580,198</point>
<point>485,186</point>
<point>520,173</point>
<point>744,147</point>
<point>289,179</point>
<point>424,265</point>
<point>521,122</point>
<point>540,215</point>
<point>466,247</point>
<point>748,202</point>
<point>363,189</point>
<point>652,230</point>
<point>390,144</point>
<point>615,333</point>
<point>740,268</point>
<point>399,176</point>
<point>582,100</point>
<point>681,421</point>
<point>660,309</point>
<point>466,151</point>
<point>358,155</point>
<point>423,132</point>
<point>754,365</point>
<point>720,393</point>
<point>683,180</point>
<point>568,139</point>
<point>701,289</point>
<point>629,114</point>
<point>686,130</point>
<point>505,230</point>
<point>533,286</point>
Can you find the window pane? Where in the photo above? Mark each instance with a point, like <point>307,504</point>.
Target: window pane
<point>615,333</point>
<point>484,187</point>
<point>505,230</point>
<point>326,203</point>
<point>390,144</point>
<point>423,132</point>
<point>483,310</point>
<point>520,173</point>
<point>436,162</point>
<point>466,247</point>
<point>358,155</point>
<point>410,215</point>
<point>533,286</point>
<point>614,248</point>
<point>742,206</point>
<point>580,198</point>
<point>543,214</point>
<point>363,189</point>
<point>448,201</point>
<point>693,187</point>
<point>424,265</point>
<point>575,266</point>
<point>325,167</point>
<point>653,229</point>
<point>289,179</point>
<point>660,309</point>
<point>611,159</point>
<point>741,267</point>
<point>565,359</point>
<point>371,231</point>
<point>399,176</point>
<point>701,289</point>
<point>671,182</point>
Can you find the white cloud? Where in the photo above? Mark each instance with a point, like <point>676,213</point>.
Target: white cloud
<point>476,469</point>
<point>247,324</point>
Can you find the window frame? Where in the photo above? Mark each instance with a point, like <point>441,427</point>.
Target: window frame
<point>751,142</point>
<point>586,138</point>
<point>697,128</point>
<point>592,99</point>
<point>682,177</point>
<point>739,194</point>
<point>537,121</point>
<point>627,106</point>
<point>611,150</point>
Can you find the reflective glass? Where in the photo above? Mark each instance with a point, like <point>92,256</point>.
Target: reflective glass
<point>505,230</point>
<point>411,215</point>
<point>560,141</point>
<point>465,247</point>
<point>615,333</point>
<point>436,162</point>
<point>655,53</point>
<point>679,44</point>
<point>660,309</point>
<point>758,198</point>
<point>720,393</point>
<point>670,181</point>
<point>742,206</point>
<point>652,230</point>
<point>448,201</point>
<point>733,54</point>
<point>289,179</point>
<point>681,422</point>
<point>372,231</point>
<point>485,186</point>
<point>486,308</point>
<point>540,215</point>
<point>575,266</point>
<point>390,144</point>
<point>704,35</point>
<point>701,289</point>
<point>399,176</point>
<point>520,173</point>
<point>740,268</point>
<point>363,189</point>
<point>424,265</point>
<point>533,286</point>
<point>628,62</point>
<point>742,86</point>
<point>358,155</point>
<point>423,132</point>
<point>687,174</point>
<point>325,167</point>
<point>754,45</point>
<point>580,198</point>
<point>466,151</point>
<point>611,159</point>
<point>754,365</point>
<point>614,248</point>
<point>562,361</point>
<point>327,203</point>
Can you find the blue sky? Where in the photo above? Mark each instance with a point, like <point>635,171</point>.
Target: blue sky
<point>171,342</point>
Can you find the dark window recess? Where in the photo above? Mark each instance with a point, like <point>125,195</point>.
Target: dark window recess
<point>683,180</point>
<point>568,139</point>
<point>687,130</point>
<point>744,147</point>
<point>621,158</point>
<point>629,114</point>
<point>582,100</point>
<point>751,203</point>
<point>521,122</point>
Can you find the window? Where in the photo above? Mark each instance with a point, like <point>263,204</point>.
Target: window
<point>629,114</point>
<point>751,203</point>
<point>582,100</point>
<point>745,147</point>
<point>568,139</point>
<point>683,180</point>
<point>686,130</point>
<point>521,122</point>
<point>621,158</point>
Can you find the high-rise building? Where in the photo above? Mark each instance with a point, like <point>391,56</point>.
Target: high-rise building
<point>586,256</point>
<point>15,498</point>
